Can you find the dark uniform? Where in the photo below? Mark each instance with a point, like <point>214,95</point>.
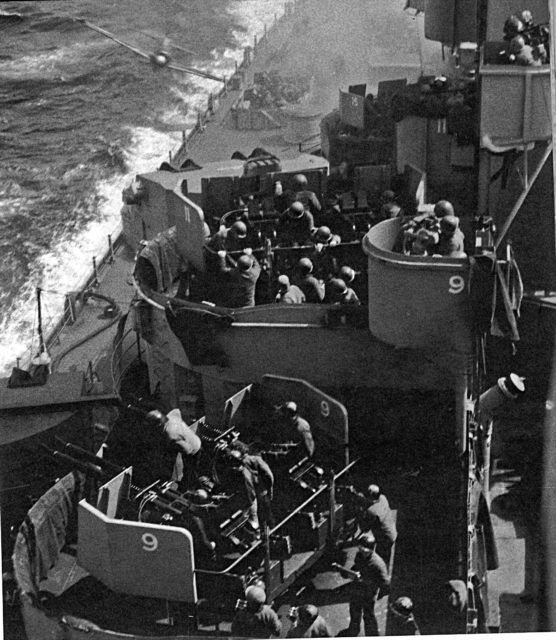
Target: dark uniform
<point>337,292</point>
<point>227,240</point>
<point>305,195</point>
<point>403,626</point>
<point>295,230</point>
<point>297,429</point>
<point>364,592</point>
<point>379,519</point>
<point>316,629</point>
<point>240,284</point>
<point>309,200</point>
<point>311,287</point>
<point>260,623</point>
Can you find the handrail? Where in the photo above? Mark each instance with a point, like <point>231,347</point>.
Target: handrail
<point>258,543</point>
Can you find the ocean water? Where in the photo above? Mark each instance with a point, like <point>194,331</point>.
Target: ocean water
<point>79,115</point>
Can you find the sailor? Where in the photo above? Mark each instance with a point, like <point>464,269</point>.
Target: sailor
<point>347,274</point>
<point>296,225</point>
<point>305,195</point>
<point>402,619</point>
<point>308,623</point>
<point>323,237</point>
<point>456,599</point>
<point>378,518</point>
<point>337,292</point>
<point>306,281</point>
<point>288,293</point>
<point>372,583</point>
<point>424,243</point>
<point>389,208</point>
<point>522,54</point>
<point>443,208</point>
<point>293,426</point>
<point>536,35</point>
<point>512,27</point>
<point>259,484</point>
<point>324,261</point>
<point>339,181</point>
<point>182,445</point>
<point>281,198</point>
<point>257,619</point>
<point>232,239</point>
<point>451,239</point>
<point>526,18</point>
<point>241,280</point>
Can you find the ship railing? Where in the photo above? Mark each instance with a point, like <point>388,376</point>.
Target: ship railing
<point>328,487</point>
<point>54,328</point>
<point>233,85</point>
<point>127,349</point>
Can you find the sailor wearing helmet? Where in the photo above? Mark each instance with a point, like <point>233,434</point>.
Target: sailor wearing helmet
<point>288,293</point>
<point>293,427</point>
<point>232,239</point>
<point>305,195</point>
<point>295,225</point>
<point>337,292</point>
<point>451,238</point>
<point>256,619</point>
<point>306,281</point>
<point>259,483</point>
<point>241,280</point>
<point>402,619</point>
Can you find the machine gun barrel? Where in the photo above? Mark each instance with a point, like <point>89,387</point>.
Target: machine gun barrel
<point>80,465</point>
<point>73,449</point>
<point>165,506</point>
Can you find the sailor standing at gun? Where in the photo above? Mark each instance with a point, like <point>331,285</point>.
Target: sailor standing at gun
<point>182,445</point>
<point>291,426</point>
<point>259,484</point>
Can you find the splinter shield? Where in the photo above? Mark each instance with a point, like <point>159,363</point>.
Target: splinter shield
<point>352,109</point>
<point>328,417</point>
<point>137,558</point>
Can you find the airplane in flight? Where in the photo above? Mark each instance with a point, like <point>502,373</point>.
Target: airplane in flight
<point>160,58</point>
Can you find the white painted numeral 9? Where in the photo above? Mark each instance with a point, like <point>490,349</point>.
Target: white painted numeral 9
<point>150,543</point>
<point>325,408</point>
<point>457,284</point>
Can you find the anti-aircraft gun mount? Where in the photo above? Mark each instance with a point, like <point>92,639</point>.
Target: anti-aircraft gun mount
<point>191,552</point>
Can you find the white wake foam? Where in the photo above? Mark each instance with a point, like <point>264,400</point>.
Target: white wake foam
<point>67,265</point>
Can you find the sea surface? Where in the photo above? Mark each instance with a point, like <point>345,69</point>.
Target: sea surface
<point>79,115</point>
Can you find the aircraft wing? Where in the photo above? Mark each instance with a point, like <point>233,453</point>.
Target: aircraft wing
<point>175,46</point>
<point>194,72</point>
<point>107,34</point>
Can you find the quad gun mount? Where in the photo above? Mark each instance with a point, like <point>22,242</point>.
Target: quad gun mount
<point>185,544</point>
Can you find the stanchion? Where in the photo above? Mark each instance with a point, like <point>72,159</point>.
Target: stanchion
<point>95,271</point>
<point>111,249</point>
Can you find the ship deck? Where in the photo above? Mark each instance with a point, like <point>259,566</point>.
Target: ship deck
<point>421,557</point>
<point>426,505</point>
